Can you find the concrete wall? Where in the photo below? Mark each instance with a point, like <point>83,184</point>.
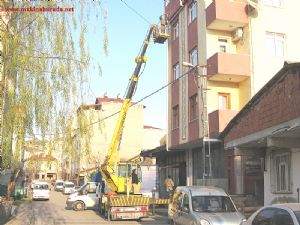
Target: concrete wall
<point>283,20</point>
<point>135,136</point>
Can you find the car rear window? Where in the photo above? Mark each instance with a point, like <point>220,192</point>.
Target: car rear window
<point>40,187</point>
<point>59,184</point>
<point>212,204</point>
<point>69,185</point>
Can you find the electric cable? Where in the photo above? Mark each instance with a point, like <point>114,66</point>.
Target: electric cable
<point>134,103</point>
<point>136,12</point>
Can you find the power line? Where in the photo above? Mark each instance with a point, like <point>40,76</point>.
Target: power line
<point>142,99</point>
<point>136,12</point>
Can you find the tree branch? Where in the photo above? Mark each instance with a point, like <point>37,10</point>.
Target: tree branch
<point>27,25</point>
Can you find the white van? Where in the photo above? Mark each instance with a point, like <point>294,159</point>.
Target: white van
<point>40,191</point>
<point>69,187</point>
<point>83,198</point>
<point>59,185</point>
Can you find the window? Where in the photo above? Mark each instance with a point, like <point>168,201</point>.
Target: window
<point>275,44</point>
<point>167,2</point>
<point>175,121</point>
<point>282,217</point>
<point>176,71</point>
<point>224,100</point>
<point>192,12</point>
<point>274,3</point>
<point>282,168</point>
<point>185,203</point>
<point>194,56</point>
<point>264,217</point>
<point>193,107</point>
<point>223,45</point>
<point>175,30</point>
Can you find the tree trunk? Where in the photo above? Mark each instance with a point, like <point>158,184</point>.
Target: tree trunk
<point>12,184</point>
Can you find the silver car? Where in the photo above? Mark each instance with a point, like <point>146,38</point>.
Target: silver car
<point>278,214</point>
<point>203,205</point>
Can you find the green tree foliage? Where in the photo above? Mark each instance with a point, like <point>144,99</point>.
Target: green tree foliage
<point>45,61</point>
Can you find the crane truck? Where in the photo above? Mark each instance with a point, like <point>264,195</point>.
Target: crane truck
<point>116,198</point>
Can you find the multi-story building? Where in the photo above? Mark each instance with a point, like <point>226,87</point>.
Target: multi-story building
<point>220,54</point>
<point>101,119</point>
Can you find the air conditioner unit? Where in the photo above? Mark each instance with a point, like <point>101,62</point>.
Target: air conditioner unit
<point>253,3</point>
<point>237,34</point>
<point>252,7</point>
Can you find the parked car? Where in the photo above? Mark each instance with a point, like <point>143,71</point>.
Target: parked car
<point>59,185</point>
<point>277,214</point>
<point>40,191</point>
<point>83,198</point>
<point>69,187</point>
<point>203,205</point>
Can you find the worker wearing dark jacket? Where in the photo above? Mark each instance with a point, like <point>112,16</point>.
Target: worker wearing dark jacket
<point>134,181</point>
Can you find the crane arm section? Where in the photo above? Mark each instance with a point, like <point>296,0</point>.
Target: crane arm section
<point>109,166</point>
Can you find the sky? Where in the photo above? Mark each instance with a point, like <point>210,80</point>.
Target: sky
<point>126,33</point>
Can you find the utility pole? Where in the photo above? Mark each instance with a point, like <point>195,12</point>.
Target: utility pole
<point>201,74</point>
<point>206,151</point>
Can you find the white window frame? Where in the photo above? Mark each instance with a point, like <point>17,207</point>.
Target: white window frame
<point>274,3</point>
<point>192,11</point>
<point>175,30</point>
<point>221,97</point>
<point>272,44</point>
<point>175,117</point>
<point>280,161</point>
<point>223,42</point>
<point>193,108</point>
<point>176,71</point>
<point>194,56</point>
<point>167,2</point>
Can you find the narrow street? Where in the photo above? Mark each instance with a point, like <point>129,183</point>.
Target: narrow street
<point>54,212</point>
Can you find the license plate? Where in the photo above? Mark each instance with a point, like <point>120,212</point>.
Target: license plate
<point>130,215</point>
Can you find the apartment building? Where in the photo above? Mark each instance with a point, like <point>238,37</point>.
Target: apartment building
<point>220,54</point>
<point>101,119</point>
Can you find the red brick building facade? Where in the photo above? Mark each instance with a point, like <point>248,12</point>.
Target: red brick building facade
<point>263,140</point>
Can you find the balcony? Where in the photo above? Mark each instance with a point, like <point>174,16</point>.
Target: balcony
<point>226,15</point>
<point>228,67</point>
<point>218,120</point>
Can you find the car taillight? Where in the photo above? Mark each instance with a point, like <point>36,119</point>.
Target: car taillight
<point>144,208</point>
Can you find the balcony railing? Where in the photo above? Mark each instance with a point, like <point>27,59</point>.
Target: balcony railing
<point>218,120</point>
<point>226,15</point>
<point>228,67</point>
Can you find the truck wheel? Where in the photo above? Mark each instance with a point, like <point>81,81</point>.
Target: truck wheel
<point>78,206</point>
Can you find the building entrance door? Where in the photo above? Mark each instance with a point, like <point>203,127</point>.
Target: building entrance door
<point>182,174</point>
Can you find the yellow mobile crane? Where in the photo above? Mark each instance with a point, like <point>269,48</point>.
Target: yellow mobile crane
<point>121,202</point>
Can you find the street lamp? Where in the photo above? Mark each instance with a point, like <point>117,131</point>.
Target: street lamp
<point>187,64</point>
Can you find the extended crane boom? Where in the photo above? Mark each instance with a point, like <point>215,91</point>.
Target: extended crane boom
<point>108,169</point>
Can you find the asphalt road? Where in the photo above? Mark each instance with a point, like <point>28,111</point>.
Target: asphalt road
<point>55,212</point>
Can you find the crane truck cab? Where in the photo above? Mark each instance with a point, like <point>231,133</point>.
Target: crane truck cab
<point>86,197</point>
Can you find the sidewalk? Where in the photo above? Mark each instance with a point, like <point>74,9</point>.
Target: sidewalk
<point>22,215</point>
